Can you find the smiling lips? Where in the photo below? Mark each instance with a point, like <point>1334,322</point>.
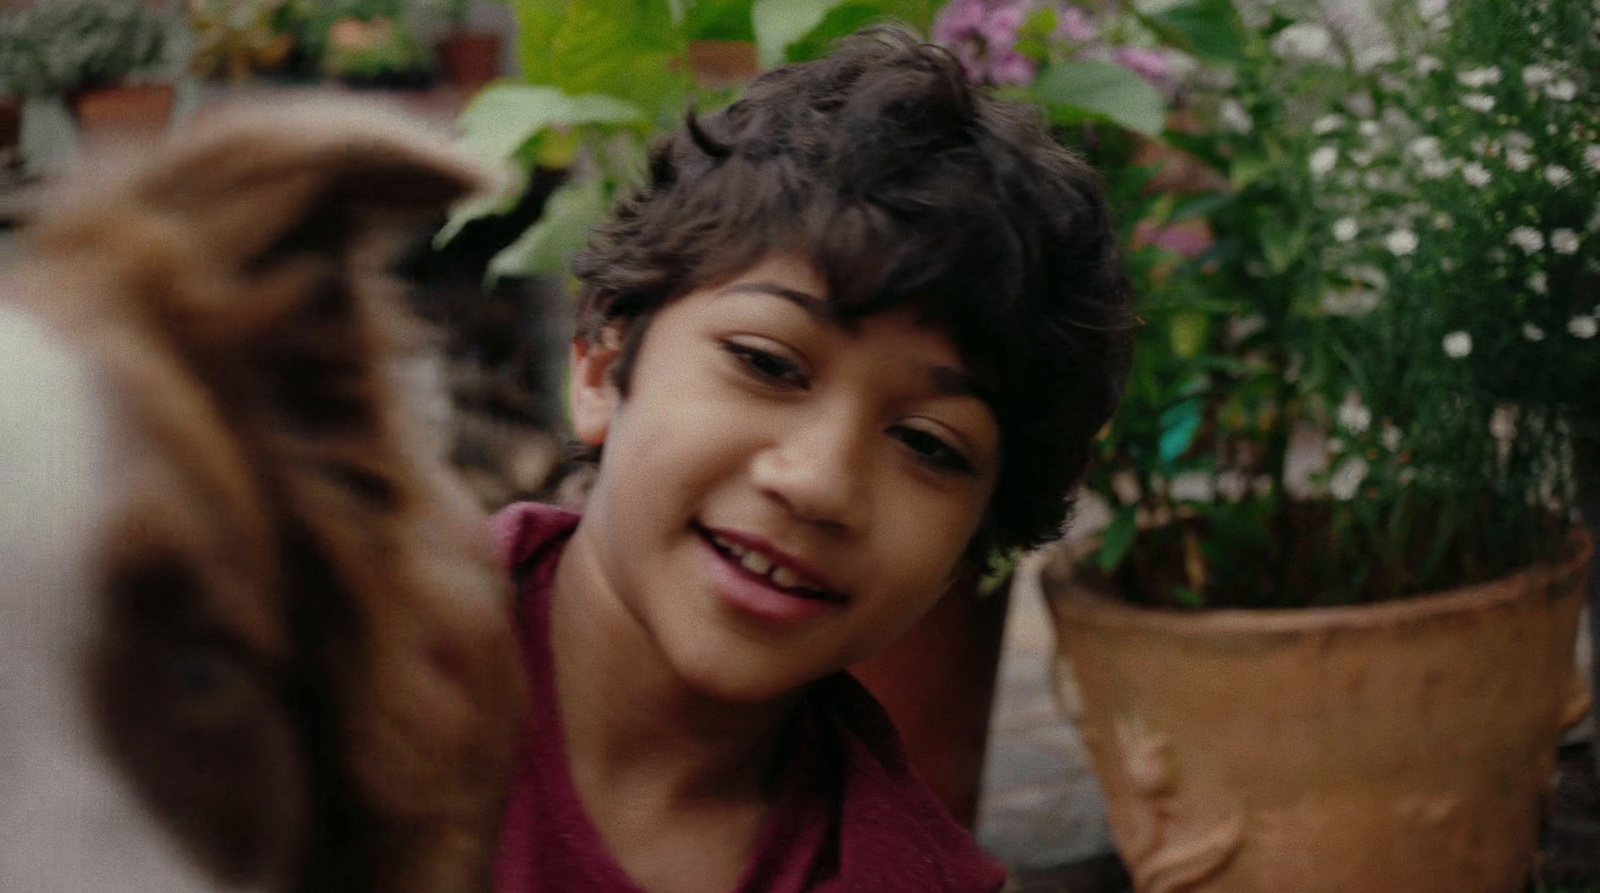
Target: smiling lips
<point>771,570</point>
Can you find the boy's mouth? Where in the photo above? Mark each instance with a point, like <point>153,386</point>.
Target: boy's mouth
<point>757,563</point>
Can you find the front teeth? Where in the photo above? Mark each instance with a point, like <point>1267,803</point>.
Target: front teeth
<point>759,564</point>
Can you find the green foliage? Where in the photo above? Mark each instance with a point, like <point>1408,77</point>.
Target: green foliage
<point>1079,91</point>
<point>60,47</point>
<point>601,77</point>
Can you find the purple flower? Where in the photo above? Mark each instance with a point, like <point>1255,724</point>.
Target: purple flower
<point>958,21</point>
<point>1000,27</point>
<point>1152,65</point>
<point>1073,24</point>
<point>1012,68</point>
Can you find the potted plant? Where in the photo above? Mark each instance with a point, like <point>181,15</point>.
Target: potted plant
<point>1326,642</point>
<point>238,39</point>
<point>468,57</point>
<point>91,53</point>
<point>367,43</point>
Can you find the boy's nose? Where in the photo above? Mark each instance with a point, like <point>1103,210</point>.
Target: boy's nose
<point>818,470</point>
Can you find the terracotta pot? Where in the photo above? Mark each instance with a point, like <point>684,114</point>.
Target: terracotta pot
<point>937,682</point>
<point>470,58</point>
<point>123,111</point>
<point>723,63</point>
<point>1403,746</point>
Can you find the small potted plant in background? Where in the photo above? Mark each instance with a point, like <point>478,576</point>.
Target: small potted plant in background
<point>1326,642</point>
<point>468,58</point>
<point>368,43</point>
<point>239,39</point>
<point>105,58</point>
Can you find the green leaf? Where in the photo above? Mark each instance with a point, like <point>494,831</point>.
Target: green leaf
<point>1282,244</point>
<point>1187,597</point>
<point>778,23</point>
<point>841,21</point>
<point>1078,90</point>
<point>475,208</point>
<point>624,48</point>
<point>537,24</point>
<point>1180,425</point>
<point>719,20</point>
<point>546,248</point>
<point>1118,538</point>
<point>505,116</point>
<point>1207,29</point>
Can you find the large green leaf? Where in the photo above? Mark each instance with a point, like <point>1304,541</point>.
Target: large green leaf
<point>719,20</point>
<point>537,24</point>
<point>1079,90</point>
<point>1208,29</point>
<point>505,116</point>
<point>1180,425</point>
<point>778,23</point>
<point>546,248</point>
<point>625,48</point>
<point>1118,538</point>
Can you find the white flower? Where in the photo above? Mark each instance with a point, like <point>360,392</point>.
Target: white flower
<point>1503,423</point>
<point>1518,159</point>
<point>1537,76</point>
<point>1432,9</point>
<point>1591,157</point>
<point>1353,416</point>
<point>1539,283</point>
<point>1532,332</point>
<point>1458,345</point>
<point>1345,229</point>
<point>1443,220</point>
<point>1401,242</point>
<point>1391,438</point>
<point>1564,241</point>
<point>1323,160</point>
<point>1350,301</point>
<point>1427,65</point>
<point>1584,327</point>
<point>1346,479</point>
<point>1369,128</point>
<point>1234,117</point>
<point>1528,239</point>
<point>1305,40</point>
<point>1478,102</point>
<point>1437,168</point>
<point>1475,173</point>
<point>1478,78</point>
<point>1563,90</point>
<point>1327,124</point>
<point>1424,147</point>
<point>1557,175</point>
<point>1232,485</point>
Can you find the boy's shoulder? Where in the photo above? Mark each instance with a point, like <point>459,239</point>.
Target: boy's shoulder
<point>892,832</point>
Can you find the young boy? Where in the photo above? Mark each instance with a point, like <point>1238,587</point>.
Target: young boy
<point>855,333</point>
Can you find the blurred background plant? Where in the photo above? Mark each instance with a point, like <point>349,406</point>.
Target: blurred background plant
<point>68,46</point>
<point>236,39</point>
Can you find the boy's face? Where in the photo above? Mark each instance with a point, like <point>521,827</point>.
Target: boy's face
<point>780,495</point>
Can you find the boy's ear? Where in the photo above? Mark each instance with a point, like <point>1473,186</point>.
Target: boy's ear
<point>594,394</point>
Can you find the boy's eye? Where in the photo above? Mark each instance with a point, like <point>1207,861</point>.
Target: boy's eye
<point>769,366</point>
<point>933,450</point>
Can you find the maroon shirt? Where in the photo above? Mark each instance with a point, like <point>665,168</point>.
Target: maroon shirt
<point>848,813</point>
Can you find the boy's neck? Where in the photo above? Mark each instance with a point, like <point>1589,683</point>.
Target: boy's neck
<point>627,717</point>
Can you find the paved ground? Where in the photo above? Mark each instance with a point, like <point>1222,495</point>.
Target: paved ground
<point>1041,805</point>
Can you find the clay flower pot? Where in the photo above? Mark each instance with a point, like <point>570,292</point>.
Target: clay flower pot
<point>470,58</point>
<point>1402,746</point>
<point>138,112</point>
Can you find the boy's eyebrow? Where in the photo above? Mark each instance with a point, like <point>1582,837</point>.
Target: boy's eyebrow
<point>948,381</point>
<point>810,303</point>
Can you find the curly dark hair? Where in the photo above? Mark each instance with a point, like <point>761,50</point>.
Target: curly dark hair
<point>906,187</point>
